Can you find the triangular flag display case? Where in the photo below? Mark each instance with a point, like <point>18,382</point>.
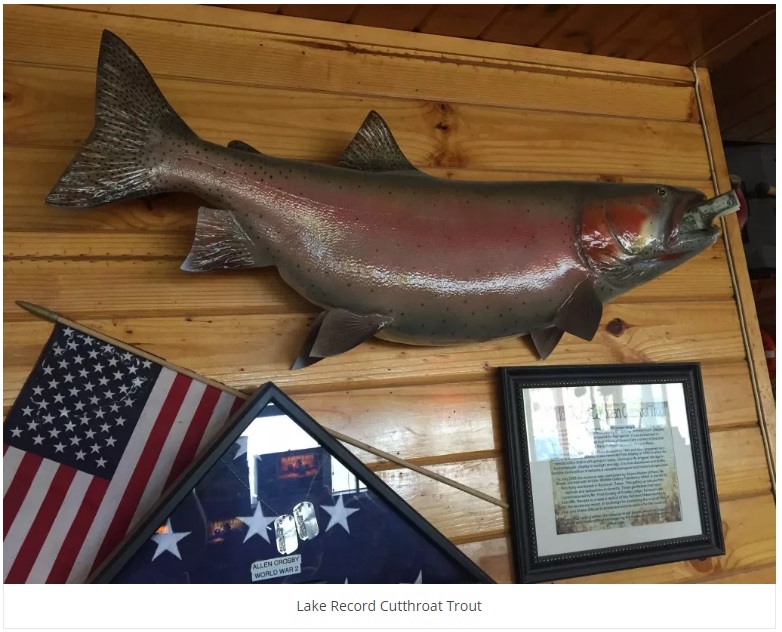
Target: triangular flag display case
<point>276,499</point>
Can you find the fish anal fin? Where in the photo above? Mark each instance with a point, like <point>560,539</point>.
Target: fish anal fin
<point>304,359</point>
<point>336,331</point>
<point>580,314</point>
<point>545,340</point>
<point>221,243</point>
<point>240,145</point>
<point>374,148</point>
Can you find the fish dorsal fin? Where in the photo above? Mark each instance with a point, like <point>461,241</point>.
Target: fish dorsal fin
<point>580,314</point>
<point>374,148</point>
<point>240,145</point>
<point>222,244</point>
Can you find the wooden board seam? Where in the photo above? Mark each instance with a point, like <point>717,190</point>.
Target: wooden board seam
<point>745,305</point>
<point>286,27</point>
<point>391,97</point>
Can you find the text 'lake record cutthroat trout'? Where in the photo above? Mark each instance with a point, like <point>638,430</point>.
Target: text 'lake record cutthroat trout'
<point>383,248</point>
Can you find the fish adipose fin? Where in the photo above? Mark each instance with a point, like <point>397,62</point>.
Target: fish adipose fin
<point>545,340</point>
<point>336,331</point>
<point>222,244</point>
<point>134,123</point>
<point>374,148</point>
<point>580,314</point>
<point>242,146</point>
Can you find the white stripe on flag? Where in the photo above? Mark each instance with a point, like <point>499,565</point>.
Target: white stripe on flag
<point>11,460</point>
<point>216,421</point>
<point>62,523</point>
<point>122,475</point>
<point>169,451</point>
<point>27,512</point>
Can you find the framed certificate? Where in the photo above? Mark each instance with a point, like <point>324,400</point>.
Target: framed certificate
<point>609,467</point>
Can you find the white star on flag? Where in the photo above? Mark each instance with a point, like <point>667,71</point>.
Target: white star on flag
<point>242,449</point>
<point>168,541</point>
<point>339,514</point>
<point>65,443</point>
<point>257,523</point>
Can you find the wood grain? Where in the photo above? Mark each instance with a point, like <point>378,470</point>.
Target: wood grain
<point>646,30</point>
<point>748,527</point>
<point>527,25</point>
<point>461,109</point>
<point>262,60</point>
<point>745,72</point>
<point>55,108</point>
<point>739,462</point>
<point>713,33</point>
<point>446,414</point>
<point>403,17</point>
<point>743,287</point>
<point>245,350</point>
<point>470,51</point>
<point>462,20</point>
<point>753,124</point>
<point>752,102</point>
<point>327,12</point>
<point>589,26</point>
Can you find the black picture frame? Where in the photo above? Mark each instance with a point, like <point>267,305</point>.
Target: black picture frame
<point>529,565</point>
<point>268,394</point>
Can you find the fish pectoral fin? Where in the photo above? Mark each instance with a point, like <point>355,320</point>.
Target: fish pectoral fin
<point>336,331</point>
<point>374,148</point>
<point>242,146</point>
<point>222,244</point>
<point>545,340</point>
<point>580,314</point>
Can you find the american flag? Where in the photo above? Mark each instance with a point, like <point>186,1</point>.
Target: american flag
<point>93,440</point>
<point>225,528</point>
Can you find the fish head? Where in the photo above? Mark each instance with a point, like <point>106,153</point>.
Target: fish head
<point>633,233</point>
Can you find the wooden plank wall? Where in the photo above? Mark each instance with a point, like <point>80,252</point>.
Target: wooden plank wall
<point>736,39</point>
<point>460,109</point>
<point>745,93</point>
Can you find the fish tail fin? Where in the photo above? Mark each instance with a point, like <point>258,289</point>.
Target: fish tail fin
<point>134,123</point>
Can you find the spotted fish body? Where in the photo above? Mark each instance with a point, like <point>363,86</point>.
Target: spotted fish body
<point>384,249</point>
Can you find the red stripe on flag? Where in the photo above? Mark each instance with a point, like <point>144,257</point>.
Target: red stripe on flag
<point>17,490</point>
<point>187,451</point>
<point>41,526</point>
<point>144,467</point>
<point>237,405</point>
<point>78,532</point>
<point>5,448</point>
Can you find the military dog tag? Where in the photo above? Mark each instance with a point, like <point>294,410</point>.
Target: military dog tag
<point>285,532</point>
<point>306,521</point>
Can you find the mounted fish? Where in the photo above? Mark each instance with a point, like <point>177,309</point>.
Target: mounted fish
<point>383,248</point>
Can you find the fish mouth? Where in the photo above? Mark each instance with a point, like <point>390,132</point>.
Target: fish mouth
<point>694,227</point>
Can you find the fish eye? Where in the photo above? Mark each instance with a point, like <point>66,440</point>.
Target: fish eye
<point>662,192</point>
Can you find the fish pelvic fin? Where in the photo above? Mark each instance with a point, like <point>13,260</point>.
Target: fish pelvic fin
<point>123,154</point>
<point>222,244</point>
<point>580,314</point>
<point>546,340</point>
<point>336,331</point>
